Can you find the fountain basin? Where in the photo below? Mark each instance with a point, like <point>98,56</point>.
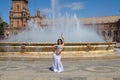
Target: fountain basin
<point>43,51</point>
<point>47,48</point>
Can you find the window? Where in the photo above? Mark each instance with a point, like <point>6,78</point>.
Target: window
<point>18,7</point>
<point>11,14</point>
<point>116,33</point>
<point>18,22</point>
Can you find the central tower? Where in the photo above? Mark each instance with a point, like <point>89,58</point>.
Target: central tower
<point>19,13</point>
<point>19,16</point>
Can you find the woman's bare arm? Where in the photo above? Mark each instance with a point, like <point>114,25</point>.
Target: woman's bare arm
<point>53,47</point>
<point>62,38</point>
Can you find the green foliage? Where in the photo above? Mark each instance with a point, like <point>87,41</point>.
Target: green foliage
<point>1,32</point>
<point>1,20</point>
<point>3,24</point>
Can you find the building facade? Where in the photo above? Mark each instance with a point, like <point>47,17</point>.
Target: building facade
<point>19,13</point>
<point>19,16</point>
<point>107,26</point>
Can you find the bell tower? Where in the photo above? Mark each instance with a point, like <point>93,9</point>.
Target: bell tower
<point>19,13</point>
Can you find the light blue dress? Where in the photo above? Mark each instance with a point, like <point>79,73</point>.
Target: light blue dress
<point>57,64</point>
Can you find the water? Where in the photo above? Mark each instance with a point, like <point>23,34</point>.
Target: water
<point>69,25</point>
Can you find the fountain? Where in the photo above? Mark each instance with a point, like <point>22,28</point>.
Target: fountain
<point>34,42</point>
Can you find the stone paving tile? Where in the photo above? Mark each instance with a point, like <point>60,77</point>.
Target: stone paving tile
<point>116,78</point>
<point>73,78</point>
<point>99,78</point>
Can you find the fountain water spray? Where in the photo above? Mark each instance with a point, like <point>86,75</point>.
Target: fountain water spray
<point>71,27</point>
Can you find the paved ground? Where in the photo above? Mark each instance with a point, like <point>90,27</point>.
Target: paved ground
<point>74,70</point>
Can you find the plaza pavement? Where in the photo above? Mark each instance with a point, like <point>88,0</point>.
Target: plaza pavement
<point>74,70</point>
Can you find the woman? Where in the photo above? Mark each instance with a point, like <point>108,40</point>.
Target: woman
<point>57,64</point>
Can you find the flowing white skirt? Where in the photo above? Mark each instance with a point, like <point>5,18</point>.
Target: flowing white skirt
<point>57,64</point>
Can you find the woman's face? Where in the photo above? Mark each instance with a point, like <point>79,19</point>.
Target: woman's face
<point>59,41</point>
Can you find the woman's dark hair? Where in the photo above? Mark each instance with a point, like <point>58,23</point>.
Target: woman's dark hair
<point>58,41</point>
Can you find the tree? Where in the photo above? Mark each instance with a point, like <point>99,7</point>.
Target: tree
<point>3,24</point>
<point>1,20</point>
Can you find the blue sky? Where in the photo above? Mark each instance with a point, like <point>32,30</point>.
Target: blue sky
<point>83,8</point>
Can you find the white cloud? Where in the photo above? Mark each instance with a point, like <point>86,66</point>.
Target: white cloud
<point>75,6</point>
<point>47,10</point>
